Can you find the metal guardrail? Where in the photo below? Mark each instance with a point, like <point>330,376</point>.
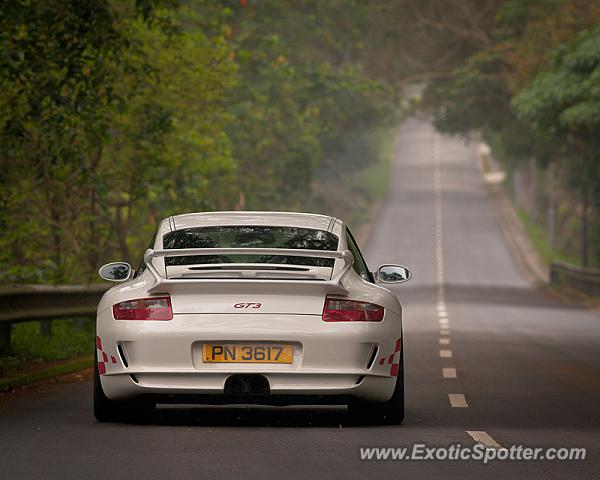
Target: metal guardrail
<point>584,280</point>
<point>26,303</point>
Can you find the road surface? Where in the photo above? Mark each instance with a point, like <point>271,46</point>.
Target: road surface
<point>527,368</point>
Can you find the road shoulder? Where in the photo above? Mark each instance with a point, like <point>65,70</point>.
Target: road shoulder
<point>527,259</point>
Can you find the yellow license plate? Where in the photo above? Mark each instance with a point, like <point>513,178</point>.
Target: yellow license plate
<point>247,353</point>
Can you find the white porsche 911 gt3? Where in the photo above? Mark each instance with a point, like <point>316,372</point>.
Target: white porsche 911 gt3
<point>250,307</point>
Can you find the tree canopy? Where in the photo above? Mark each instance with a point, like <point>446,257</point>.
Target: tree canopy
<point>116,114</point>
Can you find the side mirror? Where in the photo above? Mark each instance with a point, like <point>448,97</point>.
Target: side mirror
<point>393,274</point>
<point>115,272</point>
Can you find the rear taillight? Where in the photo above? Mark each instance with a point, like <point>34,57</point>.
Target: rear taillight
<point>340,310</point>
<point>153,308</point>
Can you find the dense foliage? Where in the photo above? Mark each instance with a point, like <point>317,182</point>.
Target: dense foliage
<point>116,114</point>
<point>530,87</point>
<point>564,102</point>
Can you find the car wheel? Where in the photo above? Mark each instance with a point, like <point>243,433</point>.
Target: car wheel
<point>107,410</point>
<point>390,412</point>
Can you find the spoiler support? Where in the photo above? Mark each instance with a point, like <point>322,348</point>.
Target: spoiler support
<point>334,284</point>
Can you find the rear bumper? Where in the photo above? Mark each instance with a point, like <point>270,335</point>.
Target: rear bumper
<point>284,388</point>
<point>332,361</point>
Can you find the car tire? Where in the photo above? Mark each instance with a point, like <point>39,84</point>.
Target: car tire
<point>388,413</point>
<point>107,410</point>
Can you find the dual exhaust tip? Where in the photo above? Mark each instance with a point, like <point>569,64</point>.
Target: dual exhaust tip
<point>247,385</point>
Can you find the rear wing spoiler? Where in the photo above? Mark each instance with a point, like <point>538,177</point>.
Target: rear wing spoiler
<point>334,284</point>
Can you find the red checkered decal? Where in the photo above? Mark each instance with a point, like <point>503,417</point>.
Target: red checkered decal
<point>393,359</point>
<point>103,357</point>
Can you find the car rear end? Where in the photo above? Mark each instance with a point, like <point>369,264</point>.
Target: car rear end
<point>277,327</point>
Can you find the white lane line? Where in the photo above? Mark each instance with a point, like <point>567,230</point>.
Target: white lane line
<point>457,400</point>
<point>449,372</point>
<point>438,220</point>
<point>483,438</point>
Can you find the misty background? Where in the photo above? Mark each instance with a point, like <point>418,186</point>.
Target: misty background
<point>116,114</point>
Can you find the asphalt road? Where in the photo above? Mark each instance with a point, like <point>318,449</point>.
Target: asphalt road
<point>527,368</point>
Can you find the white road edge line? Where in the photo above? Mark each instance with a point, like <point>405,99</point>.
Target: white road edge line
<point>483,438</point>
<point>457,400</point>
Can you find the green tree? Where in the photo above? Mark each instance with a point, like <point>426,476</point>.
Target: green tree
<point>564,102</point>
<point>116,114</point>
<point>111,113</point>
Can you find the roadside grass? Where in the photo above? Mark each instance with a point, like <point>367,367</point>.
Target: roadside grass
<point>75,365</point>
<point>539,238</point>
<point>30,350</point>
<point>371,184</point>
<point>374,180</point>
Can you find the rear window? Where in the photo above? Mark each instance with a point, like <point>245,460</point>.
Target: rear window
<point>250,237</point>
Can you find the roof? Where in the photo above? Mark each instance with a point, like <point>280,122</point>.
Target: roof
<point>282,219</point>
